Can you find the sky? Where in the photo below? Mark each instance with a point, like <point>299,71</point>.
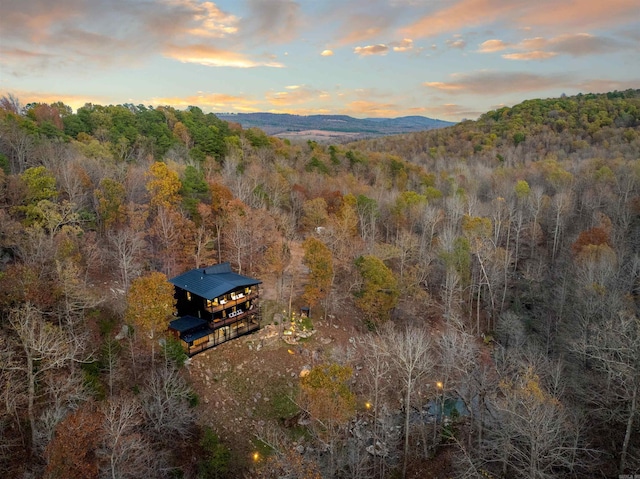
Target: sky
<point>445,59</point>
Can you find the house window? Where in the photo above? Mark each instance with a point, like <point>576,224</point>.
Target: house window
<point>188,296</point>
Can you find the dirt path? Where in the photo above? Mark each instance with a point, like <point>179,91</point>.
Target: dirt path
<point>296,275</point>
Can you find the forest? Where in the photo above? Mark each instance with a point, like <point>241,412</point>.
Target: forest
<point>485,277</point>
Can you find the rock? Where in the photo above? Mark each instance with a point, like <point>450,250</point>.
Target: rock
<point>300,449</point>
<point>124,332</point>
<point>306,369</point>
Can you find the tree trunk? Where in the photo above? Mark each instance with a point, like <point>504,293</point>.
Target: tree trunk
<point>627,436</point>
<point>407,412</point>
<point>31,377</point>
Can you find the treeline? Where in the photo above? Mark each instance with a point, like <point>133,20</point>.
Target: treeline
<point>509,245</point>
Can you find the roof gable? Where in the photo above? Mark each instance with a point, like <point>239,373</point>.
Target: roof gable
<point>213,281</point>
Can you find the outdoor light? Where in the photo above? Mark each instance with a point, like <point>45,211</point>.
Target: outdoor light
<point>256,457</point>
<point>439,385</point>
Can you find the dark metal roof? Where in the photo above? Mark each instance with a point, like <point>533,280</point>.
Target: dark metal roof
<point>192,336</point>
<point>213,281</point>
<point>187,323</point>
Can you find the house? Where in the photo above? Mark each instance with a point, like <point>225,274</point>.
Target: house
<point>214,305</point>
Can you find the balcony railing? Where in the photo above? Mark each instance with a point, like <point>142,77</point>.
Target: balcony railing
<point>232,302</point>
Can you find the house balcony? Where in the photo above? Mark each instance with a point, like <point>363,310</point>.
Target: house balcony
<point>240,299</point>
<point>221,322</point>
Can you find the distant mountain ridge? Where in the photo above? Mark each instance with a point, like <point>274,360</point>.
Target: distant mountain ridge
<point>284,124</point>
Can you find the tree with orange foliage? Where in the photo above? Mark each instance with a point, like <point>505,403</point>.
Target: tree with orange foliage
<point>594,236</point>
<point>71,454</point>
<point>221,196</point>
<point>150,304</point>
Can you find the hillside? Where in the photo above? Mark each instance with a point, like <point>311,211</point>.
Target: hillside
<point>500,254</point>
<point>332,126</point>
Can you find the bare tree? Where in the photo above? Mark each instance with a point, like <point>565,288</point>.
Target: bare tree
<point>126,452</point>
<point>127,246</point>
<point>165,403</point>
<point>614,349</point>
<point>532,435</point>
<point>410,355</point>
<point>38,348</point>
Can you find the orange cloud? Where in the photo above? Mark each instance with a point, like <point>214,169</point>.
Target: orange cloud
<point>208,101</point>
<point>579,44</point>
<point>568,14</point>
<point>491,46</point>
<point>326,53</point>
<point>465,13</point>
<point>534,55</point>
<point>74,101</point>
<point>211,56</point>
<point>403,45</point>
<point>493,83</point>
<point>371,109</point>
<point>582,13</point>
<point>379,49</point>
<point>447,87</point>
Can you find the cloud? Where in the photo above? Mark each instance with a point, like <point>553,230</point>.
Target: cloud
<point>371,109</point>
<point>326,53</point>
<point>582,44</point>
<point>534,55</point>
<point>362,20</point>
<point>606,85</point>
<point>569,14</point>
<point>297,96</point>
<point>462,14</point>
<point>211,56</point>
<point>75,33</point>
<point>402,46</point>
<point>208,101</point>
<point>276,21</point>
<point>74,101</point>
<point>494,83</point>
<point>578,44</point>
<point>379,49</point>
<point>581,13</point>
<point>458,44</point>
<point>491,46</point>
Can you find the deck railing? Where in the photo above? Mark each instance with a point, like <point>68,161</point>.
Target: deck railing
<point>232,302</point>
